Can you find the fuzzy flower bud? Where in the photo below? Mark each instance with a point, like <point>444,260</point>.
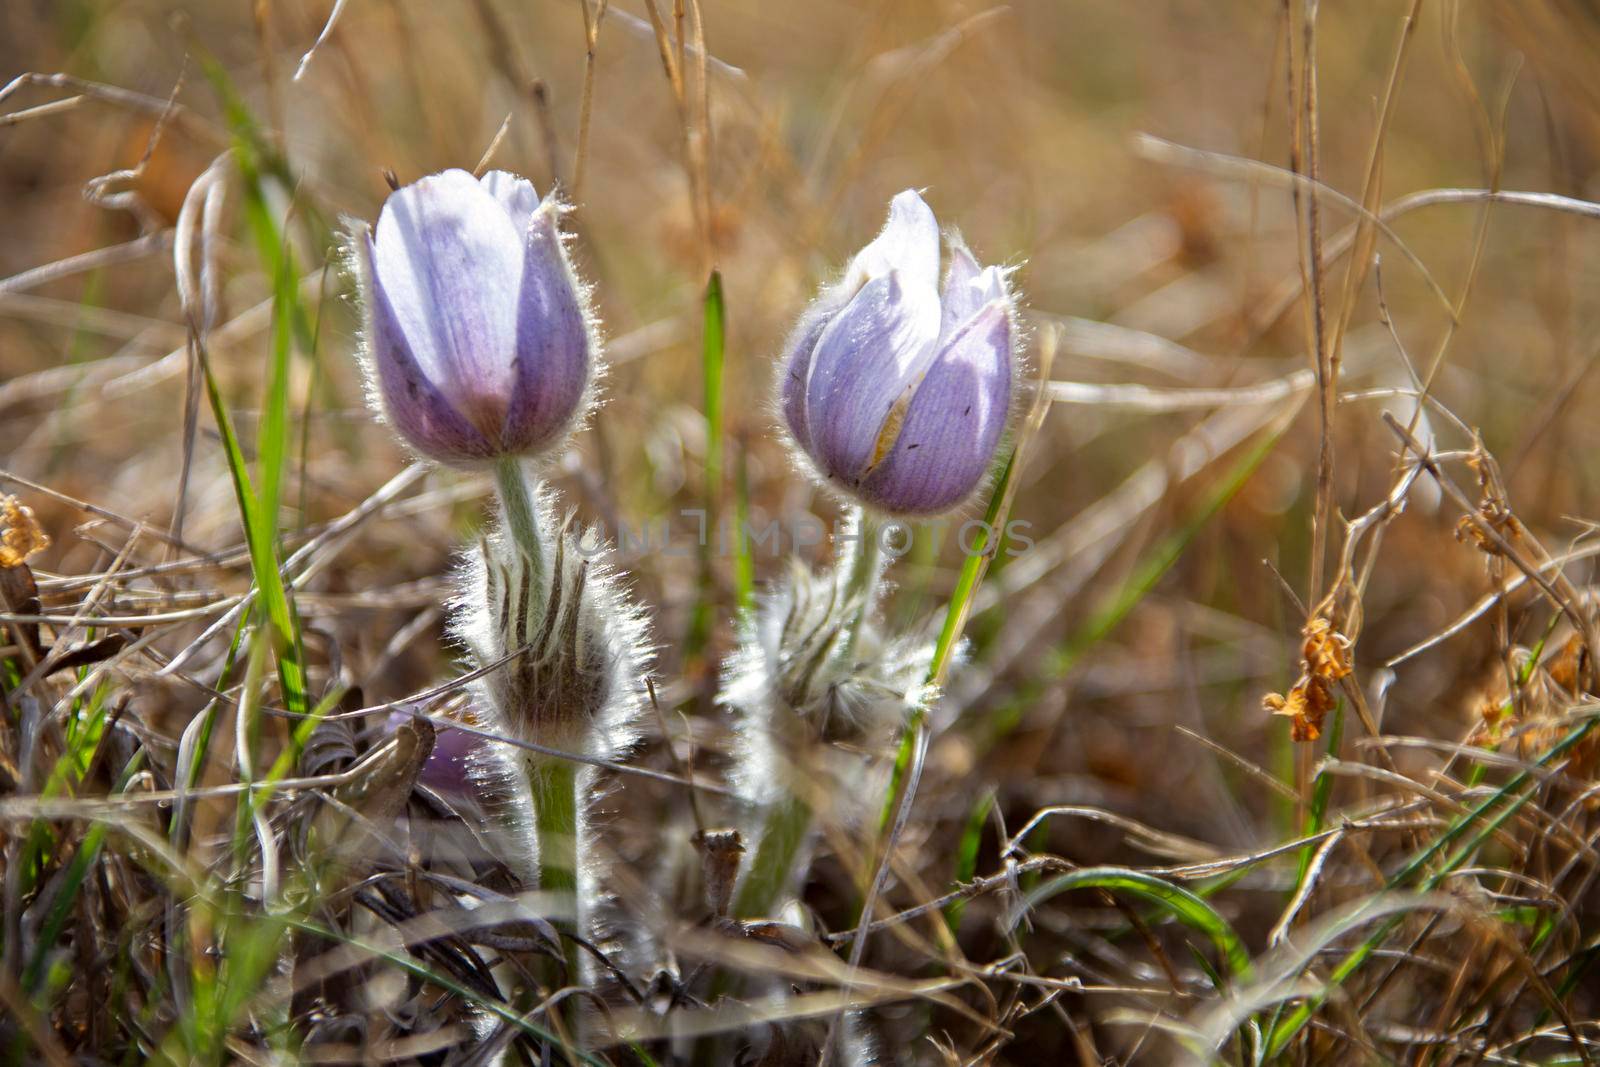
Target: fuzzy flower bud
<point>815,683</point>
<point>479,342</point>
<point>799,691</point>
<point>576,685</point>
<point>897,390</point>
<point>566,654</point>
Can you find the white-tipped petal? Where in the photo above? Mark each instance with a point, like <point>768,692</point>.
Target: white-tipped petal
<point>515,193</point>
<point>449,262</point>
<point>908,244</point>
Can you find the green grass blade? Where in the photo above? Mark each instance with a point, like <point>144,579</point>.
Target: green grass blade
<point>259,507</point>
<point>1180,903</point>
<point>967,856</point>
<point>274,602</point>
<point>972,570</point>
<point>713,338</point>
<point>1296,1020</point>
<point>744,562</point>
<point>955,618</point>
<point>712,367</point>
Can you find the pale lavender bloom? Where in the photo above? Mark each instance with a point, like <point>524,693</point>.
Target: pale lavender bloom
<point>899,391</point>
<point>447,769</point>
<point>479,340</point>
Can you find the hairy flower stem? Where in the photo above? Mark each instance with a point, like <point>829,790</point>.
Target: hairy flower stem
<point>516,501</point>
<point>555,803</point>
<point>787,825</point>
<point>555,807</point>
<point>788,821</point>
<point>554,782</point>
<point>860,586</point>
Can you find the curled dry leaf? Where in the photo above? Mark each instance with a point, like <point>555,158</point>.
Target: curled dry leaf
<point>1570,665</point>
<point>1326,650</point>
<point>22,536</point>
<point>1306,705</point>
<point>1325,658</point>
<point>721,853</point>
<point>1494,510</point>
<point>1471,530</point>
<point>370,796</point>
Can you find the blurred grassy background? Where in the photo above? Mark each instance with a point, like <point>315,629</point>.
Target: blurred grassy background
<point>1021,123</point>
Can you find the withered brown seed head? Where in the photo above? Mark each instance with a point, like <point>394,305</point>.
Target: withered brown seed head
<point>23,536</point>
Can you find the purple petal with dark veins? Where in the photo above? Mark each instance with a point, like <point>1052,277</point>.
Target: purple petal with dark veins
<point>795,367</point>
<point>967,287</point>
<point>953,423</point>
<point>414,405</point>
<point>450,261</point>
<point>553,361</point>
<point>863,360</point>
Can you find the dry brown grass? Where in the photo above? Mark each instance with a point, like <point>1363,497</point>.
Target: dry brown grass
<point>1247,229</point>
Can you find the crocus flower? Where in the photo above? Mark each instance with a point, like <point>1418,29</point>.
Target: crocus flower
<point>898,390</point>
<point>479,340</point>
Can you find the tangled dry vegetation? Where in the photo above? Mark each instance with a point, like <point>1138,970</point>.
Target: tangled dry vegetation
<point>1273,744</point>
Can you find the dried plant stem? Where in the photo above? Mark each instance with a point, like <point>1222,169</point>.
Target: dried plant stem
<point>591,40</point>
<point>787,825</point>
<point>1326,365</point>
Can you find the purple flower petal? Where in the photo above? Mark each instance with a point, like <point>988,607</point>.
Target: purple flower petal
<point>907,247</point>
<point>417,409</point>
<point>953,422</point>
<point>795,367</point>
<point>967,287</point>
<point>447,769</point>
<point>897,389</point>
<point>516,194</point>
<point>863,360</point>
<point>449,261</point>
<point>553,361</point>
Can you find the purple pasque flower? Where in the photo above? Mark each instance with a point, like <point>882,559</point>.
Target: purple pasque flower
<point>448,768</point>
<point>479,339</point>
<point>899,391</point>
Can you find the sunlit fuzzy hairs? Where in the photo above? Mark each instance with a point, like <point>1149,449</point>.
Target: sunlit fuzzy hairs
<point>797,678</point>
<point>577,686</point>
